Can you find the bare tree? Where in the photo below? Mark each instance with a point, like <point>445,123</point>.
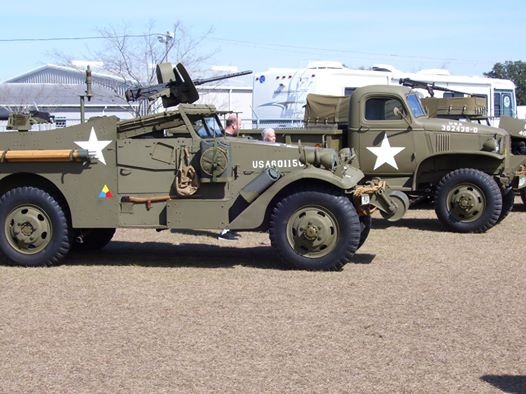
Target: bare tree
<point>133,57</point>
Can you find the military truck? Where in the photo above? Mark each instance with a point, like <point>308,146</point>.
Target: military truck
<point>466,168</point>
<point>473,108</point>
<point>72,187</point>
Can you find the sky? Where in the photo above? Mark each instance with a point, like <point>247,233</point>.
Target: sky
<point>466,37</point>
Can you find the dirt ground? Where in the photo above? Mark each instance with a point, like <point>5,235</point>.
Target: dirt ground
<point>418,310</point>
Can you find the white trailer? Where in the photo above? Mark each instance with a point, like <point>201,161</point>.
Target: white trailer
<point>279,94</point>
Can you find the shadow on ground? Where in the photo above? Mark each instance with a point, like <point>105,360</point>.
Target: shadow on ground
<point>163,254</point>
<point>507,383</point>
<point>413,223</point>
<point>424,224</point>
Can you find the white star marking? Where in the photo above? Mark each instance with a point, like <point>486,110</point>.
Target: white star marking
<point>385,153</point>
<point>93,145</point>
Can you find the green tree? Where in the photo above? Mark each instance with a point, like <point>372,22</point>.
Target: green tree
<point>514,71</point>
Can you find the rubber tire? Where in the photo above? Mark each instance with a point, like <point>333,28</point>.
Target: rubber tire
<point>336,208</point>
<point>366,223</point>
<point>58,245</point>
<point>508,199</point>
<point>485,184</point>
<point>523,195</point>
<point>94,239</point>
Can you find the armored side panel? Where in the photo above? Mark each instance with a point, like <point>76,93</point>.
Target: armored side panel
<point>89,187</point>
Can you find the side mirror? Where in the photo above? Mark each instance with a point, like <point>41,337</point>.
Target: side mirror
<point>401,115</point>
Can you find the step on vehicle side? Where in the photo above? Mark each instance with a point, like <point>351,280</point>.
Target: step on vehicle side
<point>72,187</point>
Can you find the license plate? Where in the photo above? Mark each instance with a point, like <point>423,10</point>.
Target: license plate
<point>366,199</point>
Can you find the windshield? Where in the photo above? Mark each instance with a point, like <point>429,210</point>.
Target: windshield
<point>208,127</point>
<point>415,105</point>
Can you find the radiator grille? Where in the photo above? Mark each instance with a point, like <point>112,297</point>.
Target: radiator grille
<point>442,143</point>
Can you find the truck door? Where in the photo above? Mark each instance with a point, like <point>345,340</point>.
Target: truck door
<point>386,145</point>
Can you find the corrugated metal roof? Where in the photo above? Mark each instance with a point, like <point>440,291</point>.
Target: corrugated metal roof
<point>55,94</point>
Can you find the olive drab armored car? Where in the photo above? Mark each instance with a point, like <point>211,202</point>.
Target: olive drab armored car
<point>467,169</point>
<point>72,187</point>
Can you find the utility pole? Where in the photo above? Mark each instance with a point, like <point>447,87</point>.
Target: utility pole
<point>166,39</point>
<point>88,93</point>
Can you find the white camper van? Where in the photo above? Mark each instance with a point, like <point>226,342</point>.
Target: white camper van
<point>279,94</point>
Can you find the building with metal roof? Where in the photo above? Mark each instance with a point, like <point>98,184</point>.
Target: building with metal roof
<point>58,90</point>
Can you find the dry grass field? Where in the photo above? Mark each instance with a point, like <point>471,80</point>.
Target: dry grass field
<point>418,310</point>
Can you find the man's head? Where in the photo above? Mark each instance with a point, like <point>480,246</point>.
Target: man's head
<point>268,135</point>
<point>232,125</point>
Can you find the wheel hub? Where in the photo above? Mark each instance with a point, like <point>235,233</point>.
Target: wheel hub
<point>467,202</point>
<point>312,232</point>
<point>28,229</point>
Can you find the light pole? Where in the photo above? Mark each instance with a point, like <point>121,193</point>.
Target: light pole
<point>89,93</point>
<point>166,39</point>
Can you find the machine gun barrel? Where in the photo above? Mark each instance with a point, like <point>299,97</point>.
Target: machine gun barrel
<point>152,92</point>
<point>201,81</point>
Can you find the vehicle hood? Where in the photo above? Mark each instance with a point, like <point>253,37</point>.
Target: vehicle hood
<point>456,126</point>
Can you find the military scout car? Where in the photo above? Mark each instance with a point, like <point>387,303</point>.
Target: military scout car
<point>466,168</point>
<point>73,187</point>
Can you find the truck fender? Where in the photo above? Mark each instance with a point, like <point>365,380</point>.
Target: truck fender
<point>254,215</point>
<point>457,160</point>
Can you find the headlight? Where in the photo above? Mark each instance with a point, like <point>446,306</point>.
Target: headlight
<point>490,145</point>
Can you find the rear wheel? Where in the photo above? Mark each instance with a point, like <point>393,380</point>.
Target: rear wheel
<point>35,230</point>
<point>468,201</point>
<point>315,230</point>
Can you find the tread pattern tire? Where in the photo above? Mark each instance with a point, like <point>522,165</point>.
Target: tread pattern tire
<point>315,229</point>
<point>366,223</point>
<point>508,199</point>
<point>35,231</point>
<point>473,190</point>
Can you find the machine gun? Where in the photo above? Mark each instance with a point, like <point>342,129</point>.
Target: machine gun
<point>23,121</point>
<point>431,87</point>
<point>468,106</point>
<point>175,86</point>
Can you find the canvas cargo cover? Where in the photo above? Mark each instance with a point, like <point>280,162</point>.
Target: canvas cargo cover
<point>455,106</point>
<point>327,109</point>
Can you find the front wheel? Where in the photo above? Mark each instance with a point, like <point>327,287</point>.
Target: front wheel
<point>366,223</point>
<point>35,230</point>
<point>468,201</point>
<point>315,230</point>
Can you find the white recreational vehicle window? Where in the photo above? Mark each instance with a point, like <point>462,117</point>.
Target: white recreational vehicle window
<point>503,103</point>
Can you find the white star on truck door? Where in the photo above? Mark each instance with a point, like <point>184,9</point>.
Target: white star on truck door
<point>385,153</point>
<point>93,145</point>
